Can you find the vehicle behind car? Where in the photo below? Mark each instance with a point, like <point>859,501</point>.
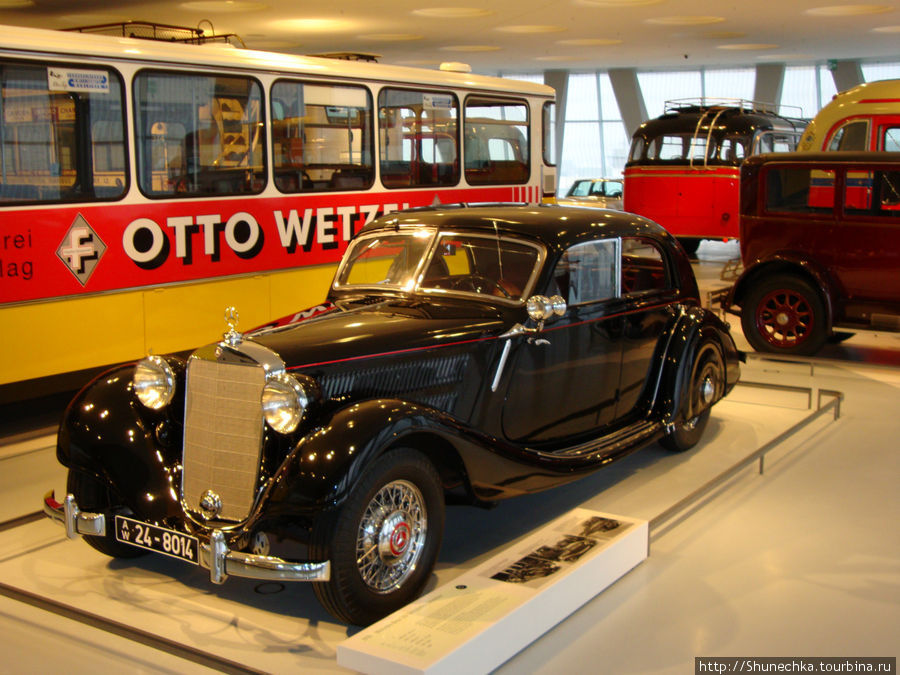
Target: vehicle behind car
<point>604,193</point>
<point>820,243</point>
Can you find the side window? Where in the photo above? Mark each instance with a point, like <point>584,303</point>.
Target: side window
<point>419,135</point>
<point>62,135</point>
<point>852,136</point>
<point>589,272</point>
<point>890,139</point>
<point>496,141</point>
<point>798,190</point>
<point>887,186</point>
<point>643,267</point>
<point>321,137</point>
<point>198,135</point>
<point>549,127</point>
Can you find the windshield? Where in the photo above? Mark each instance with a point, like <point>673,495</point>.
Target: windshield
<point>441,263</point>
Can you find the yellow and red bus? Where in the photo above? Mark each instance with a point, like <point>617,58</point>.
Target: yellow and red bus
<point>145,186</point>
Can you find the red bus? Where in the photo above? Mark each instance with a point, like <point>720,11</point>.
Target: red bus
<point>145,186</point>
<point>683,169</point>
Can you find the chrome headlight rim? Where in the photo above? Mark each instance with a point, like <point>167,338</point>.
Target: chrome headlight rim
<point>284,401</point>
<point>153,382</point>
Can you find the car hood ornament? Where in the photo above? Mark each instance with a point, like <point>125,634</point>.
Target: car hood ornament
<point>232,337</point>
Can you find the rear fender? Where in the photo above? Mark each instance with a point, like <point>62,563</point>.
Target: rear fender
<point>695,327</point>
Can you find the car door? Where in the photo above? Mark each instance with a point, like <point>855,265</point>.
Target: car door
<point>649,296</point>
<point>564,378</point>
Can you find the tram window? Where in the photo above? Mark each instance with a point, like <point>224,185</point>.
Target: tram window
<point>890,140</point>
<point>321,137</point>
<point>198,135</point>
<point>550,134</point>
<point>61,133</point>
<point>851,136</point>
<point>496,141</point>
<point>419,135</point>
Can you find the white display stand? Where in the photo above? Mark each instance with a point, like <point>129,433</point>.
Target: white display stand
<point>488,614</point>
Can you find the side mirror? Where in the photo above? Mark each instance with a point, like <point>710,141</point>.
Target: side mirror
<point>541,308</point>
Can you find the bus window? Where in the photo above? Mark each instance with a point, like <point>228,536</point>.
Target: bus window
<point>851,136</point>
<point>61,134</point>
<point>776,141</point>
<point>680,147</point>
<point>321,137</point>
<point>419,134</point>
<point>198,135</point>
<point>890,139</point>
<point>496,141</point>
<point>732,149</point>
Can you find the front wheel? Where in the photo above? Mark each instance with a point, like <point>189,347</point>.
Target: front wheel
<point>707,385</point>
<point>784,315</point>
<point>384,541</point>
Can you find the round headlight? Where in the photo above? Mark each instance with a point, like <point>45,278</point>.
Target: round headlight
<point>154,382</point>
<point>283,402</point>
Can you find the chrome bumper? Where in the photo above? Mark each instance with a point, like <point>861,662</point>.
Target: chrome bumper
<point>214,555</point>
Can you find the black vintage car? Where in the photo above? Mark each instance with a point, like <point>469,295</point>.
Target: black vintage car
<point>463,355</point>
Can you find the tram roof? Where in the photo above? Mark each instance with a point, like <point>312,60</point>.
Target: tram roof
<point>37,41</point>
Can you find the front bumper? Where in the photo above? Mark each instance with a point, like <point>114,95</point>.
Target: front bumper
<point>214,554</point>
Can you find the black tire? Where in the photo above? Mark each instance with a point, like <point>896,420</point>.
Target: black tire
<point>91,495</point>
<point>784,314</point>
<point>392,523</point>
<point>707,384</point>
<point>690,245</point>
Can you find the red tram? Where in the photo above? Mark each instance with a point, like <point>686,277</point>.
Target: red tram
<point>683,170</point>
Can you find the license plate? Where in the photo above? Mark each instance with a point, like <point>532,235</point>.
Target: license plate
<point>159,539</point>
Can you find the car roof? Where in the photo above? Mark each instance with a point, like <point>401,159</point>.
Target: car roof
<point>826,157</point>
<point>557,227</point>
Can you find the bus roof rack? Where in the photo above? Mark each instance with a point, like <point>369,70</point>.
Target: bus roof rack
<point>161,32</point>
<point>704,103</point>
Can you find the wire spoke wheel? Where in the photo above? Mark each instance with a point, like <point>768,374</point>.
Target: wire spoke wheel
<point>391,536</point>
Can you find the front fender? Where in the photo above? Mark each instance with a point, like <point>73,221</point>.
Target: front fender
<point>784,263</point>
<point>326,464</point>
<point>107,433</point>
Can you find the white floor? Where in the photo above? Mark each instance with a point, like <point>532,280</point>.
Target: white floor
<point>803,560</point>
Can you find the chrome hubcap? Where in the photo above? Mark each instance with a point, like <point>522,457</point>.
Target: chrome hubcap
<point>391,536</point>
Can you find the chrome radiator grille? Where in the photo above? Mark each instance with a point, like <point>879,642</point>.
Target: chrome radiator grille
<point>223,426</point>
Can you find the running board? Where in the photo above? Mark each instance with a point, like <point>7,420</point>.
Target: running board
<point>622,440</point>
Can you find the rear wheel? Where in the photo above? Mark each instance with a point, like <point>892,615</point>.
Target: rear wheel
<point>384,541</point>
<point>784,315</point>
<point>707,384</point>
<point>91,495</point>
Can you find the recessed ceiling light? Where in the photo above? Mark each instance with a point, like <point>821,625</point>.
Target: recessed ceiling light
<point>314,25</point>
<point>589,42</point>
<point>886,29</point>
<point>620,3</point>
<point>452,12</point>
<point>15,4</point>
<point>531,29</point>
<point>724,35</point>
<point>561,58</point>
<point>747,46</point>
<point>849,10</point>
<point>686,20</point>
<point>391,37</point>
<point>223,6</point>
<point>470,48</point>
<point>793,58</point>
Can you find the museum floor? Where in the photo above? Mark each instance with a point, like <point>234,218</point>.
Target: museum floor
<point>801,560</point>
